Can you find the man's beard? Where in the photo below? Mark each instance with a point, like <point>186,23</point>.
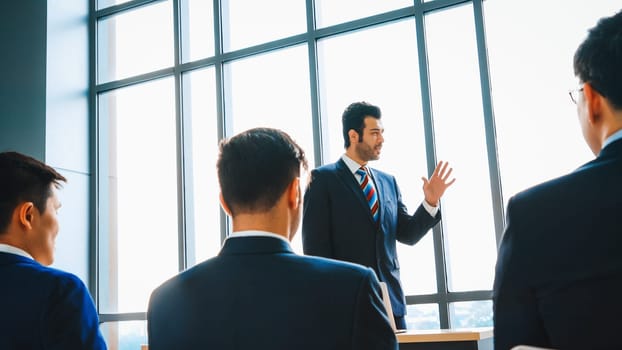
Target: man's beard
<point>366,152</point>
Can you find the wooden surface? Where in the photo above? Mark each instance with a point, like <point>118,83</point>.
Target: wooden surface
<point>468,335</point>
<point>444,335</point>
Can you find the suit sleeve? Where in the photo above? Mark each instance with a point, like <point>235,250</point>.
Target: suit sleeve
<point>372,329</point>
<point>411,228</point>
<point>71,321</point>
<point>516,318</point>
<point>316,232</point>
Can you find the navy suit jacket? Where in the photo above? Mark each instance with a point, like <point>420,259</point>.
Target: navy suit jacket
<point>258,294</point>
<point>44,308</point>
<point>337,223</point>
<point>558,277</point>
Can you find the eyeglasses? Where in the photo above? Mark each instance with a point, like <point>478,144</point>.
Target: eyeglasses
<point>574,94</point>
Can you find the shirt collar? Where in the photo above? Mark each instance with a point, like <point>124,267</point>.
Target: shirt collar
<point>14,250</point>
<point>253,233</point>
<point>351,164</point>
<point>614,137</point>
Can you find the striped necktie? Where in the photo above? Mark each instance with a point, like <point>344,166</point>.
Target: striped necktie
<point>370,193</point>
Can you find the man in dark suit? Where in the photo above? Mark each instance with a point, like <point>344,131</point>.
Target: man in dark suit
<point>559,269</point>
<point>355,213</point>
<point>258,294</point>
<point>40,307</point>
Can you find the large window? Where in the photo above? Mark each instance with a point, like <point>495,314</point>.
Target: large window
<point>459,132</point>
<point>173,77</point>
<point>531,71</point>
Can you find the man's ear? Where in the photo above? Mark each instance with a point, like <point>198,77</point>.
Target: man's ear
<point>224,205</point>
<point>293,193</point>
<point>25,213</point>
<point>594,103</point>
<point>353,136</point>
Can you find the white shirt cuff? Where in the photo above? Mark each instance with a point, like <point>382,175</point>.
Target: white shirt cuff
<point>430,209</point>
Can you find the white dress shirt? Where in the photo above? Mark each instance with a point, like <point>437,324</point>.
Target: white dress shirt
<point>14,250</point>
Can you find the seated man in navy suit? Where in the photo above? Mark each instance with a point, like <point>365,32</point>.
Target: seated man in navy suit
<point>40,307</point>
<point>258,294</point>
<point>559,267</point>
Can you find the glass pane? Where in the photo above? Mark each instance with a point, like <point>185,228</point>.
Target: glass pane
<point>197,29</point>
<point>459,129</point>
<point>349,72</point>
<point>248,23</point>
<point>468,314</point>
<point>138,239</point>
<point>330,12</point>
<point>417,264</point>
<point>126,335</point>
<point>272,90</point>
<point>135,42</point>
<point>531,72</point>
<point>107,3</point>
<point>423,316</point>
<point>201,127</point>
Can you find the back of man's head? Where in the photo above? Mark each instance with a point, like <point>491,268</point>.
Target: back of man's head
<point>24,179</point>
<point>255,167</point>
<point>598,60</point>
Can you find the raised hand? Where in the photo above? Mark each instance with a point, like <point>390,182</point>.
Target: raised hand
<point>434,187</point>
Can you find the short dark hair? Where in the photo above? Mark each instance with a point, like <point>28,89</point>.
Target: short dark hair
<point>255,167</point>
<point>24,179</point>
<point>598,60</point>
<point>354,118</point>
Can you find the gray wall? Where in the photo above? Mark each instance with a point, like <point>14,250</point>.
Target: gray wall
<point>44,106</point>
<point>22,81</point>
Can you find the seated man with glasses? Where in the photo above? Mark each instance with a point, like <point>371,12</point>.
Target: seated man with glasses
<point>559,268</point>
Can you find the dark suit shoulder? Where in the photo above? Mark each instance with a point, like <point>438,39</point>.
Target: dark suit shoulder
<point>193,273</point>
<point>333,266</point>
<point>33,269</point>
<point>328,175</point>
<point>330,170</point>
<point>327,169</point>
<point>576,214</point>
<point>291,264</point>
<point>577,184</point>
<point>377,173</point>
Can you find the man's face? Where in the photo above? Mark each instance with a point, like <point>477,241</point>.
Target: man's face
<point>42,239</point>
<point>369,145</point>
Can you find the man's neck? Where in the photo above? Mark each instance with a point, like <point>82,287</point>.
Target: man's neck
<point>352,155</point>
<point>268,222</point>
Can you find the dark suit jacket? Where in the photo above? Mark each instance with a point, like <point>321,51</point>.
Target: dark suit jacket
<point>44,308</point>
<point>258,294</point>
<point>337,223</point>
<point>558,277</point>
